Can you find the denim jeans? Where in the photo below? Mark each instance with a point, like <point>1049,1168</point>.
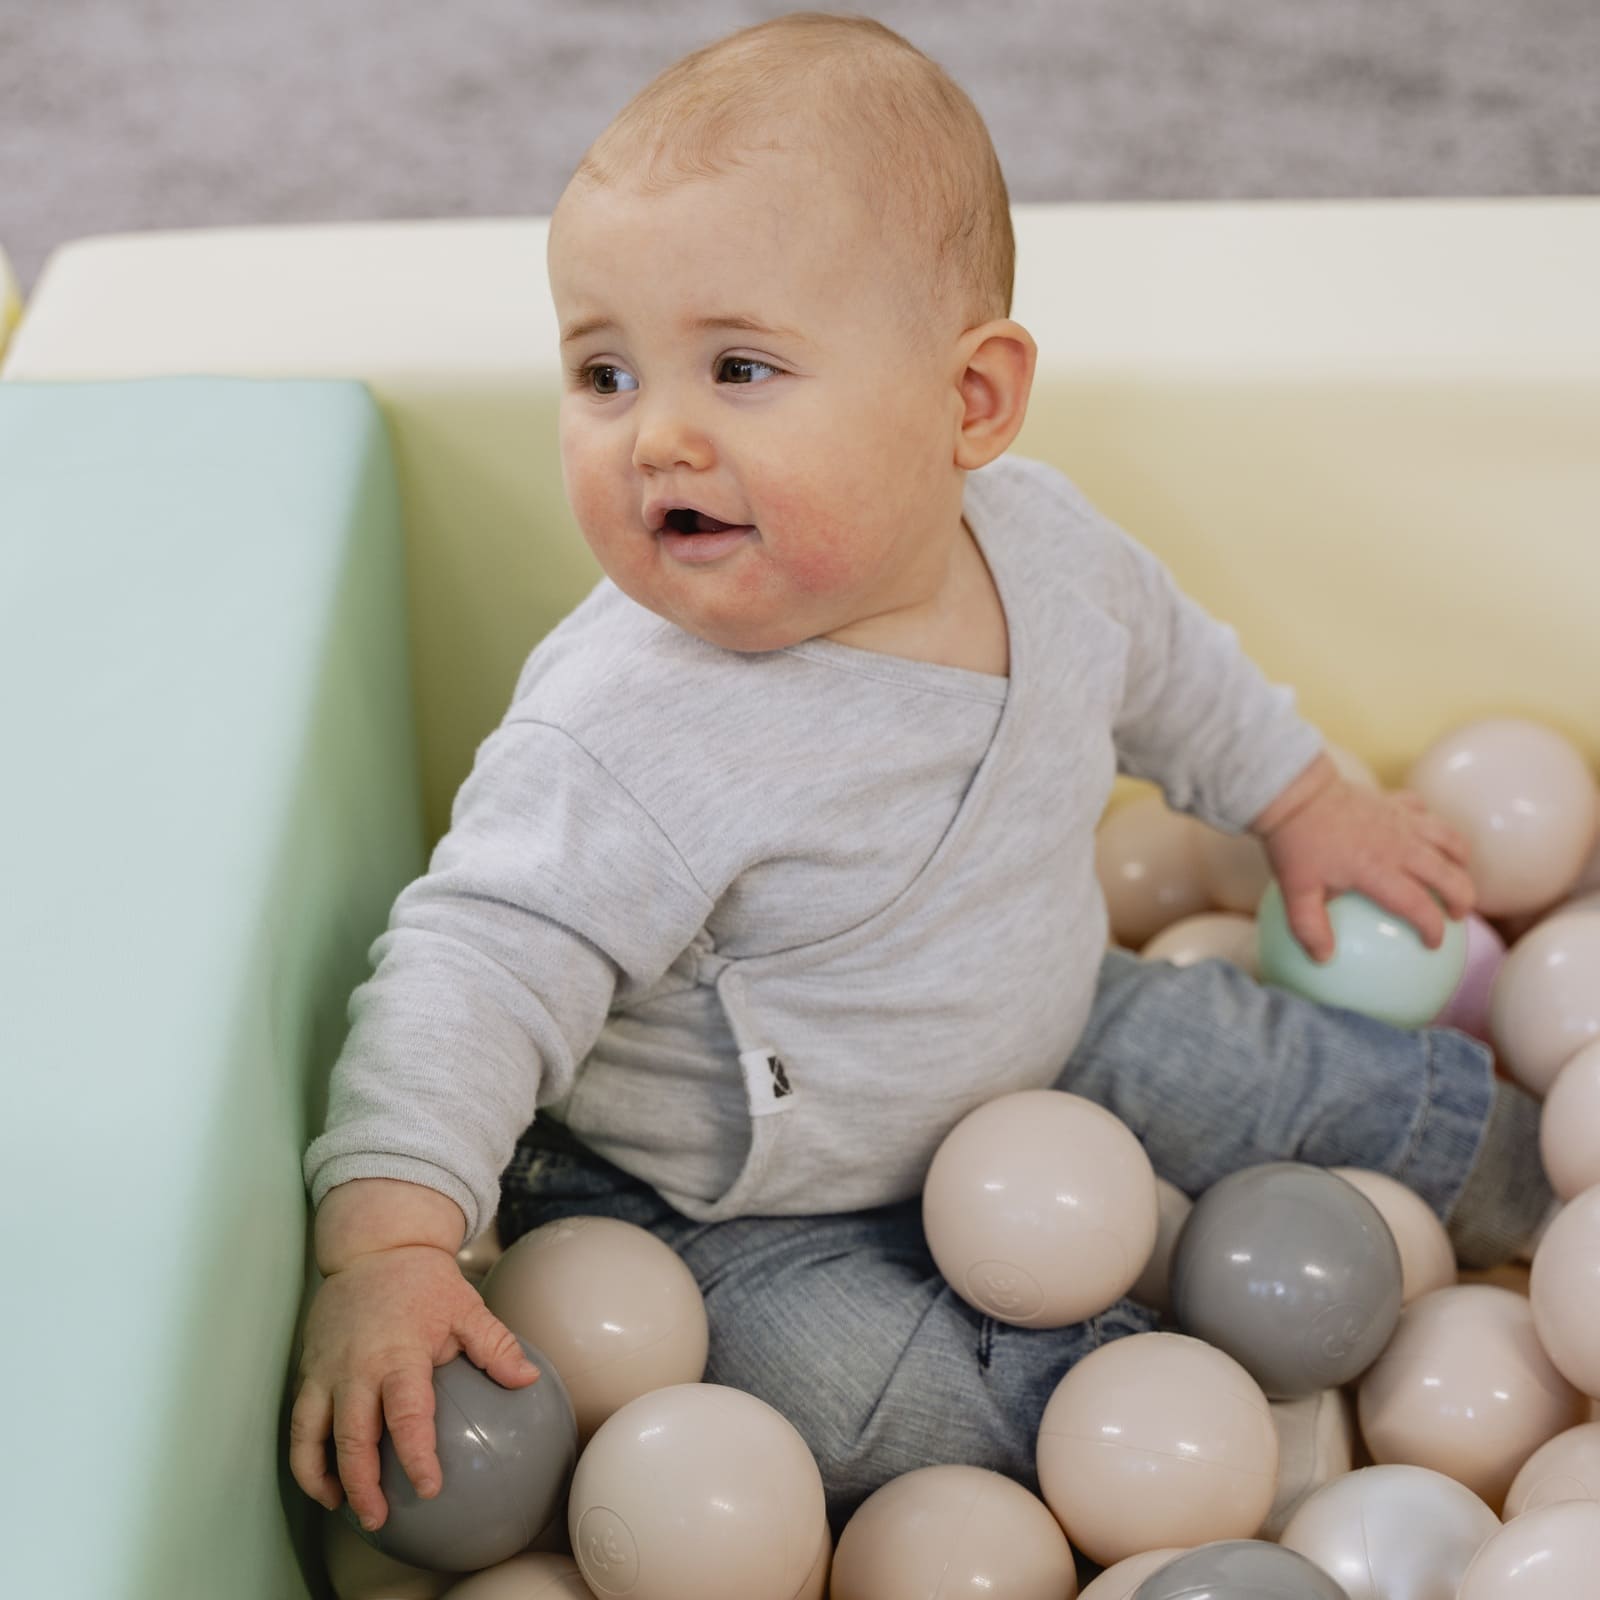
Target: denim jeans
<point>842,1321</point>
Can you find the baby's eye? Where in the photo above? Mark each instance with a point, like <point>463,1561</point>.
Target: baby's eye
<point>601,374</point>
<point>743,364</point>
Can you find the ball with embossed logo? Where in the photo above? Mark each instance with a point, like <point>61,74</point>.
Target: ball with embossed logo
<point>1293,1272</point>
<point>1040,1208</point>
<point>697,1491</point>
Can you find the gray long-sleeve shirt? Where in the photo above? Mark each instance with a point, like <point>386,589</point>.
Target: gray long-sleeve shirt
<point>761,928</point>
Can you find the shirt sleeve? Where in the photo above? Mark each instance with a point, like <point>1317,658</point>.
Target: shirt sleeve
<point>1198,717</point>
<point>553,889</point>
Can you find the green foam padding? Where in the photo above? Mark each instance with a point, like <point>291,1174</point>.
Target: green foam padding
<point>209,800</point>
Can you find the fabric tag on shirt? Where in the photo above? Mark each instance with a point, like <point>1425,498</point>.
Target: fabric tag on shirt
<point>766,1082</point>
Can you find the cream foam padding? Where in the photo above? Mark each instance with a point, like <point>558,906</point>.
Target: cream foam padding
<point>1363,433</point>
<point>10,301</point>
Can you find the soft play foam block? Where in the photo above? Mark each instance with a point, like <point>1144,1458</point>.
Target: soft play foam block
<point>209,801</point>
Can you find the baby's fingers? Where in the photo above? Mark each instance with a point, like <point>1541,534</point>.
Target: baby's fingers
<point>1406,898</point>
<point>1449,881</point>
<point>357,1427</point>
<point>1307,911</point>
<point>408,1405</point>
<point>490,1344</point>
<point>309,1423</point>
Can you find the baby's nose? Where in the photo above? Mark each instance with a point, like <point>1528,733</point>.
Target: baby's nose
<point>669,437</point>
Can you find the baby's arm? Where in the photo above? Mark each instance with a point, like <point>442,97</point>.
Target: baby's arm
<point>1324,836</point>
<point>1228,746</point>
<point>552,888</point>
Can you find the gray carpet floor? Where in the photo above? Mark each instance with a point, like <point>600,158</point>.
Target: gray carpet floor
<point>118,115</point>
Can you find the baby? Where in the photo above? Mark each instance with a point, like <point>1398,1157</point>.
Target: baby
<point>782,859</point>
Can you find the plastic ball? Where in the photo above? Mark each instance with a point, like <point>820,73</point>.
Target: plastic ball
<point>1567,1468</point>
<point>1153,1287</point>
<point>535,1576</point>
<point>1549,1554</point>
<point>477,1257</point>
<point>697,1492</point>
<point>1546,1002</point>
<point>952,1530</point>
<point>505,1456</point>
<point>1293,1272</point>
<point>357,1571</point>
<point>1391,1533</point>
<point>615,1308</point>
<point>1234,869</point>
<point>1120,1582</point>
<point>1569,1125</point>
<point>1040,1208</point>
<point>1148,861</point>
<point>1427,1257</point>
<point>1524,798</point>
<point>1211,936</point>
<point>1564,1291</point>
<point>1468,1008</point>
<point>1465,1388</point>
<point>1380,966</point>
<point>1239,1569</point>
<point>1156,1439</point>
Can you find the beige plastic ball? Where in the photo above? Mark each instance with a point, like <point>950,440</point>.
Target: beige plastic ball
<point>1564,1291</point>
<point>1147,858</point>
<point>359,1571</point>
<point>1427,1258</point>
<point>1234,869</point>
<point>697,1492</point>
<point>1213,935</point>
<point>524,1577</point>
<point>614,1308</point>
<point>1153,1287</point>
<point>1567,1468</point>
<point>1157,1439</point>
<point>1545,1006</point>
<point>477,1258</point>
<point>939,1532</point>
<point>1524,797</point>
<point>1549,1554</point>
<point>1122,1581</point>
<point>1569,1125</point>
<point>1040,1208</point>
<point>1464,1387</point>
<point>1392,1533</point>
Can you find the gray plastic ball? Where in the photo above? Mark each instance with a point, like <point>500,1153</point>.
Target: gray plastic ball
<point>506,1456</point>
<point>1239,1569</point>
<point>1293,1272</point>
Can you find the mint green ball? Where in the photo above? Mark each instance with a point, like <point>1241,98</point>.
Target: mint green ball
<point>1379,967</point>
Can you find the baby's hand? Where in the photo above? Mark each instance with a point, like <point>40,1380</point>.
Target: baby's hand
<point>1325,836</point>
<point>376,1330</point>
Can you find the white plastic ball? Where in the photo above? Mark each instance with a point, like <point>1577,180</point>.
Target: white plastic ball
<point>1040,1208</point>
<point>697,1492</point>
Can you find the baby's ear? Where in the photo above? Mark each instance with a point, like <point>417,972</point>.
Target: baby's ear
<point>995,381</point>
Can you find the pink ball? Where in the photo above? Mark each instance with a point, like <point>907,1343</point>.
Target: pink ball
<point>1468,1008</point>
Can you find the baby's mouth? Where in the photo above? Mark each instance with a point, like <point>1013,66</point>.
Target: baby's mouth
<point>683,520</point>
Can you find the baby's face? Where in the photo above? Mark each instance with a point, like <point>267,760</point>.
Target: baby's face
<point>825,432</point>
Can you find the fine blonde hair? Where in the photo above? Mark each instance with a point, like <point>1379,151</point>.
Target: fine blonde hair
<point>914,141</point>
